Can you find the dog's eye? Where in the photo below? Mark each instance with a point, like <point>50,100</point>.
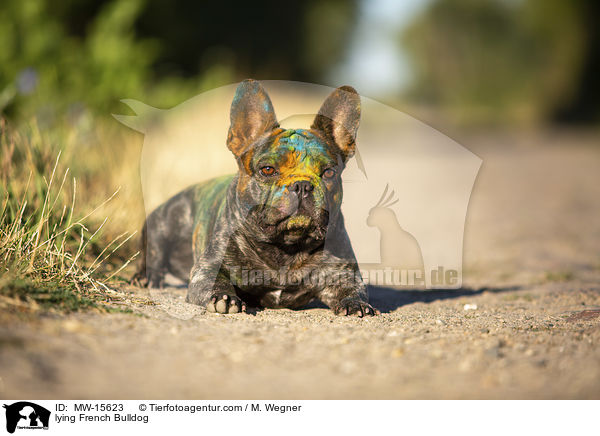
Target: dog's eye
<point>267,171</point>
<point>329,173</point>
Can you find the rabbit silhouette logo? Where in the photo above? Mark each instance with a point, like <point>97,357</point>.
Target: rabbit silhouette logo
<point>397,246</point>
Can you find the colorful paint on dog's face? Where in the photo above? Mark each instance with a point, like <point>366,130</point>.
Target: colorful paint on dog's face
<point>289,186</point>
<point>292,180</point>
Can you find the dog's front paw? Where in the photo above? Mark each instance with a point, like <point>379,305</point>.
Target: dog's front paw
<point>156,281</point>
<point>355,307</point>
<point>150,279</point>
<point>221,302</point>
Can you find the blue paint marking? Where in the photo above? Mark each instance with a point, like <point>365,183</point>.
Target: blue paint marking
<point>247,88</point>
<point>238,94</point>
<point>278,193</point>
<point>302,141</point>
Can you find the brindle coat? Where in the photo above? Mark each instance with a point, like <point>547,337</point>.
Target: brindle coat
<point>273,234</point>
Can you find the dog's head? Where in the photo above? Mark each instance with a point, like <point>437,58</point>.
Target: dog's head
<point>289,184</point>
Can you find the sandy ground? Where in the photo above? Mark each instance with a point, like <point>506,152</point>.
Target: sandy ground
<point>531,328</point>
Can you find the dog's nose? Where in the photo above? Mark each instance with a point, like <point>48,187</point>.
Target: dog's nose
<point>302,188</point>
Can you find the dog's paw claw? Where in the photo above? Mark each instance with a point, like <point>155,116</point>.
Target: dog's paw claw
<point>139,280</point>
<point>225,303</point>
<point>148,280</point>
<point>153,280</point>
<point>355,307</point>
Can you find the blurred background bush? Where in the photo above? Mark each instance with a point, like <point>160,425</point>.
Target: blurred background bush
<point>476,61</point>
<point>77,56</point>
<point>507,61</point>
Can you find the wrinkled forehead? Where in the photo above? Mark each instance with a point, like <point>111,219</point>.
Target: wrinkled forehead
<point>303,143</point>
<point>299,140</point>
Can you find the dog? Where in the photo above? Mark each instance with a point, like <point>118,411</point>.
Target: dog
<point>271,235</point>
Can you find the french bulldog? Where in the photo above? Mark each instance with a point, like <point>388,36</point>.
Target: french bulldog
<point>271,235</point>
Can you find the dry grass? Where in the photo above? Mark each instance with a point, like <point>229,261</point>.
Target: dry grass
<point>55,249</point>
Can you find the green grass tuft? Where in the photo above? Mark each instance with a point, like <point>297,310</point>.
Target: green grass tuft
<point>51,256</point>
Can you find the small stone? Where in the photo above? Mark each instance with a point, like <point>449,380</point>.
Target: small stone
<point>440,322</point>
<point>74,326</point>
<point>466,365</point>
<point>348,367</point>
<point>470,306</point>
<point>397,352</point>
<point>236,356</point>
<point>437,353</point>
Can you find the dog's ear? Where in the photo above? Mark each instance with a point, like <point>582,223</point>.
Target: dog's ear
<point>252,115</point>
<point>338,119</point>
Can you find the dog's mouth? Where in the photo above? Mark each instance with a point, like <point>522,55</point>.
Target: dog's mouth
<point>297,223</point>
<point>294,228</point>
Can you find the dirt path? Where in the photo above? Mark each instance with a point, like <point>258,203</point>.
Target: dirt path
<point>531,328</point>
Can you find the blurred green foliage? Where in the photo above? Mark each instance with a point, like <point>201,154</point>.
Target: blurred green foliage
<point>497,61</point>
<point>46,70</point>
<point>41,65</point>
<point>80,57</point>
<point>264,40</point>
